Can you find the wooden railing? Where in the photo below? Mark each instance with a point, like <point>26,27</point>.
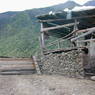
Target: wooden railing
<point>69,40</point>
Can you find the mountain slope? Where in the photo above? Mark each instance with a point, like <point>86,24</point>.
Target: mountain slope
<point>68,4</point>
<point>19,30</point>
<point>90,3</point>
<point>19,37</point>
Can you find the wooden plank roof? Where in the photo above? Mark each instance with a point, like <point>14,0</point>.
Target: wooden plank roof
<point>63,15</point>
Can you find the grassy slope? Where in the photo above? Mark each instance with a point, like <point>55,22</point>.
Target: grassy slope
<point>19,31</point>
<point>19,37</point>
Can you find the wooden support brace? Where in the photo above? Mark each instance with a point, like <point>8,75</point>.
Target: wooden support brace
<point>36,65</point>
<point>42,40</point>
<point>58,27</point>
<point>84,41</point>
<point>84,34</point>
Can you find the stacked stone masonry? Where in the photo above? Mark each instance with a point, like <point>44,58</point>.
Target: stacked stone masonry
<point>67,64</point>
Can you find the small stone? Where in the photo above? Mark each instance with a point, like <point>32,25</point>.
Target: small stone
<point>93,78</point>
<point>51,89</point>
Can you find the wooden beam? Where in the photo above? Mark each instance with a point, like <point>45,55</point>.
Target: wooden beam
<point>64,50</point>
<point>85,30</point>
<point>36,65</point>
<point>73,18</point>
<point>58,27</point>
<point>84,41</point>
<point>16,59</point>
<point>84,34</point>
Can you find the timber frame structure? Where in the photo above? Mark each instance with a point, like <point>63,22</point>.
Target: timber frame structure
<point>74,28</point>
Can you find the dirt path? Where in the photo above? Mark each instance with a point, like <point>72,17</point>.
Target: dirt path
<point>45,85</point>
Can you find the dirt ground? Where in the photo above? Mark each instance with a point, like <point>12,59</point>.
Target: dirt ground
<point>45,85</point>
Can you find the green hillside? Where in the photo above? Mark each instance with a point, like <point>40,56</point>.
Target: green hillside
<point>19,31</point>
<point>19,37</point>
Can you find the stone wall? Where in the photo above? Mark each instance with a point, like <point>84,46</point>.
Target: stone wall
<point>68,64</point>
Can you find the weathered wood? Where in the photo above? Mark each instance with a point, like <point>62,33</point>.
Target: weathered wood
<point>41,48</point>
<point>75,26</point>
<point>16,67</point>
<point>84,41</point>
<point>42,37</point>
<point>16,64</point>
<point>59,45</point>
<point>90,74</point>
<point>64,50</point>
<point>58,27</point>
<point>36,65</point>
<point>17,72</point>
<point>92,49</point>
<point>73,18</point>
<point>16,59</point>
<point>13,64</point>
<point>84,34</point>
<point>85,30</point>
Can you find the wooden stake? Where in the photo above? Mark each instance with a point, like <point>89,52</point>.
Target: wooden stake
<point>36,65</point>
<point>42,38</point>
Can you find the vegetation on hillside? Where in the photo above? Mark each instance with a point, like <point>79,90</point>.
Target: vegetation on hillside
<point>19,31</point>
<point>19,37</point>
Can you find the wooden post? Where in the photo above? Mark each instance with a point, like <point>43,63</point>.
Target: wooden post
<point>83,35</point>
<point>42,38</point>
<point>75,29</point>
<point>58,26</point>
<point>40,46</point>
<point>59,45</point>
<point>36,65</point>
<point>75,25</point>
<point>92,48</point>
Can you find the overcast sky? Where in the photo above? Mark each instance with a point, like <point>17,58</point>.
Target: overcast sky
<point>19,5</point>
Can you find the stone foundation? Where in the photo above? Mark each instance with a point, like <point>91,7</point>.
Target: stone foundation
<point>67,64</point>
<point>89,63</point>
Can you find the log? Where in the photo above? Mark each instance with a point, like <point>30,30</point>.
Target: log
<point>16,67</point>
<point>16,59</point>
<point>85,30</point>
<point>64,50</point>
<point>16,64</point>
<point>84,41</point>
<point>36,65</point>
<point>58,27</point>
<point>84,34</point>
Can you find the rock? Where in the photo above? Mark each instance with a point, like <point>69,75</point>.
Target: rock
<point>93,78</point>
<point>52,89</point>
